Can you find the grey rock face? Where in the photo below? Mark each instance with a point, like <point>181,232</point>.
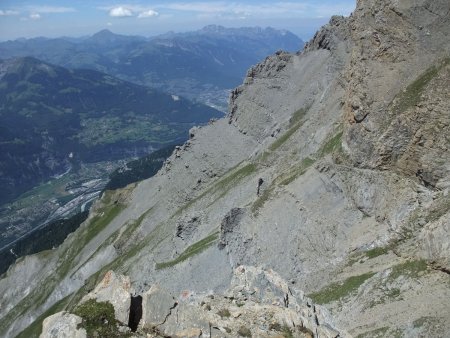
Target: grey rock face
<point>330,36</point>
<point>115,289</point>
<point>187,226</point>
<point>62,325</point>
<point>392,115</point>
<point>157,306</point>
<point>258,303</point>
<point>229,223</point>
<point>435,242</point>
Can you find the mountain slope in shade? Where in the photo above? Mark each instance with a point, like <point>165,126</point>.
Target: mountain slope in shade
<point>52,118</point>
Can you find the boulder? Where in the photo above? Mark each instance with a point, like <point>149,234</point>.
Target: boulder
<point>157,305</point>
<point>435,242</point>
<point>115,289</point>
<point>62,325</point>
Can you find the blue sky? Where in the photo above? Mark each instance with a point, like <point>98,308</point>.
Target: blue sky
<point>20,18</point>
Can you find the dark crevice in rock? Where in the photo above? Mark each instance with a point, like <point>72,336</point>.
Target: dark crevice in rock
<point>445,270</point>
<point>286,300</point>
<point>426,7</point>
<point>360,116</point>
<point>169,314</point>
<point>426,179</point>
<point>396,11</point>
<point>365,213</point>
<point>324,43</point>
<point>316,319</point>
<point>135,313</point>
<point>441,268</point>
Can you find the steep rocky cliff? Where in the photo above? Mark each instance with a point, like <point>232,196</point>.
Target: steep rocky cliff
<point>331,168</point>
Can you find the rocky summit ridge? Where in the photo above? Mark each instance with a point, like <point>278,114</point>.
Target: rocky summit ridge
<point>331,168</point>
<point>257,303</point>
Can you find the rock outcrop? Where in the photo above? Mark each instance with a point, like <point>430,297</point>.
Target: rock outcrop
<point>157,306</point>
<point>435,242</point>
<point>258,303</point>
<point>62,325</point>
<point>115,290</point>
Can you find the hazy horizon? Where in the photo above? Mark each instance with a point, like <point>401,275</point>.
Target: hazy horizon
<point>111,29</point>
<point>19,19</point>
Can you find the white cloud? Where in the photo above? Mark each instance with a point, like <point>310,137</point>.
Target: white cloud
<point>148,14</point>
<point>34,16</point>
<point>232,10</point>
<point>8,12</point>
<point>125,10</point>
<point>109,24</point>
<point>120,12</point>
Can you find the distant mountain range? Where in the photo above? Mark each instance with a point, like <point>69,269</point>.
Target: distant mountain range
<point>51,118</point>
<point>82,116</point>
<point>200,65</point>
